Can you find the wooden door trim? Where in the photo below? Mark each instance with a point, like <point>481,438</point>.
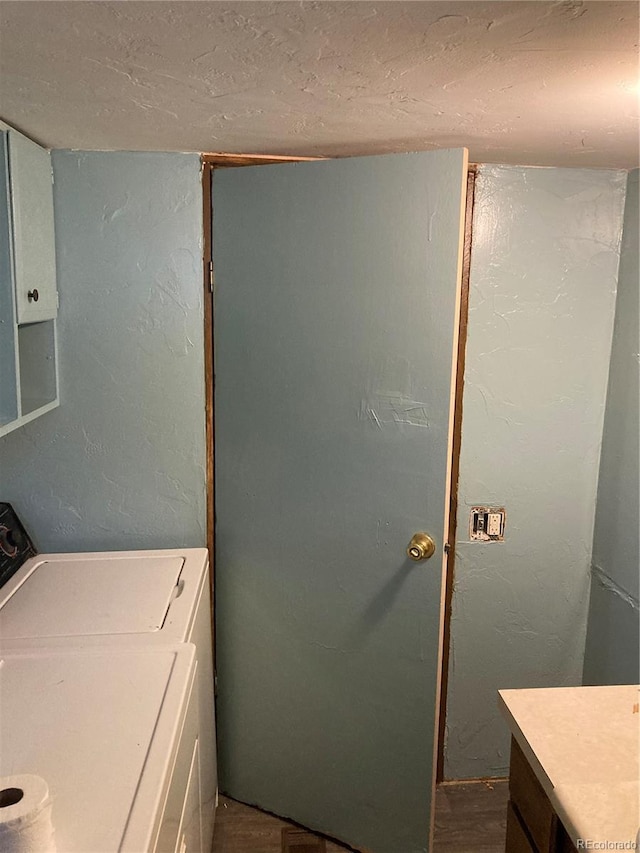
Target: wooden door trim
<point>455,468</point>
<point>207,213</point>
<point>207,299</point>
<point>220,160</point>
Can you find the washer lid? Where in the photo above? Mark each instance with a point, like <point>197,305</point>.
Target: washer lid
<point>106,595</point>
<point>101,727</point>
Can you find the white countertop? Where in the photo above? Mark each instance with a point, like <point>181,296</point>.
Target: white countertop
<point>583,744</point>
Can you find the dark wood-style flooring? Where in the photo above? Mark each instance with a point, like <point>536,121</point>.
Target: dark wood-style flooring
<point>470,818</point>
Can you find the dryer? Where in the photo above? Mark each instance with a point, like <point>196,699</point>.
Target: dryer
<point>113,731</point>
<point>120,598</point>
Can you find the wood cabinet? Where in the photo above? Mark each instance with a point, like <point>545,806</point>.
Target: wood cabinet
<point>532,824</point>
<point>28,291</point>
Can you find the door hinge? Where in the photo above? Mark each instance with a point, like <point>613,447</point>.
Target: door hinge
<point>211,276</point>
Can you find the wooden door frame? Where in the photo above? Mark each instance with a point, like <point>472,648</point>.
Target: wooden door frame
<point>207,277</point>
<point>455,471</point>
<point>213,161</point>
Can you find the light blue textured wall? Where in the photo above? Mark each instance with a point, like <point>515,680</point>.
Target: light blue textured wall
<point>613,636</point>
<point>542,292</point>
<point>121,463</point>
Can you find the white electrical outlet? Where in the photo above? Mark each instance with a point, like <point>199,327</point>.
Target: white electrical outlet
<point>494,527</point>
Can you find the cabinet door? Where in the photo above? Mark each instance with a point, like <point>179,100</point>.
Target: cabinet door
<point>8,334</point>
<point>33,231</point>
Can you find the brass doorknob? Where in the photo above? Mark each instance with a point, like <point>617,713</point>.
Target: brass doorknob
<point>421,547</point>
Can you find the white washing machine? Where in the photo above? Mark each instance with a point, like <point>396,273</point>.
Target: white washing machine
<point>120,598</point>
<point>114,734</point>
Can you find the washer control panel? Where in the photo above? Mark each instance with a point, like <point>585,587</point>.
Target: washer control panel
<point>15,545</point>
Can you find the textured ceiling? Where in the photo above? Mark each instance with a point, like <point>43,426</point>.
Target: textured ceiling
<point>552,83</point>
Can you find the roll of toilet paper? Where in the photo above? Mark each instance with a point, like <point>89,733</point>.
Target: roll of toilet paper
<point>25,815</point>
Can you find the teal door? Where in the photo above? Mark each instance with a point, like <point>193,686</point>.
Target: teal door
<point>336,312</point>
